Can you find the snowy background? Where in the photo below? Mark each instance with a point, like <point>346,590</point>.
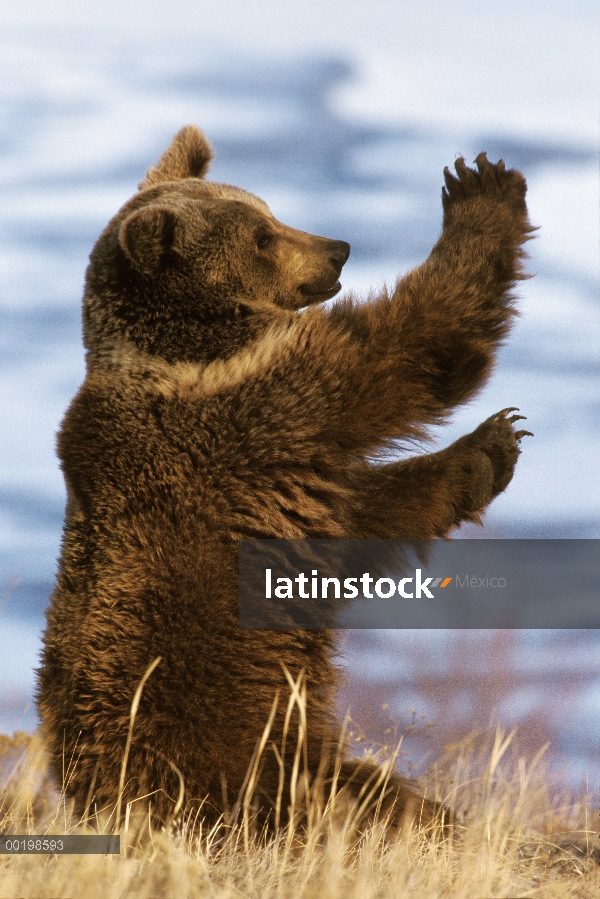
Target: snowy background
<point>342,117</point>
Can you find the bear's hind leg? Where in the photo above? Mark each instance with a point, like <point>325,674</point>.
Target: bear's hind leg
<point>380,794</point>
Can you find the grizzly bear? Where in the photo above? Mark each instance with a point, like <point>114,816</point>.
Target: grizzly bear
<point>223,401</point>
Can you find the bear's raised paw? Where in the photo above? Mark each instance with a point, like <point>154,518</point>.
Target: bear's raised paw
<point>490,179</point>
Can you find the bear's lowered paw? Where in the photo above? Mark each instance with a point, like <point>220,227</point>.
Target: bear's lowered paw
<point>497,446</point>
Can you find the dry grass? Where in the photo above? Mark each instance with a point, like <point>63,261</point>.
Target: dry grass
<point>504,847</point>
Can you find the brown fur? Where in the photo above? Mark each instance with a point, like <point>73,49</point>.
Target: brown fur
<point>213,411</point>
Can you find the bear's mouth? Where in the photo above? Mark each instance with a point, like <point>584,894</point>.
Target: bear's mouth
<point>317,294</point>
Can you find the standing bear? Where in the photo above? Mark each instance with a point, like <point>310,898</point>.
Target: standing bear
<point>223,401</point>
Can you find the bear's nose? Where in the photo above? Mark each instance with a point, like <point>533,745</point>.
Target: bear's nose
<point>338,253</point>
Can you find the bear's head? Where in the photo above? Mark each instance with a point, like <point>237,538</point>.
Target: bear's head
<point>191,270</point>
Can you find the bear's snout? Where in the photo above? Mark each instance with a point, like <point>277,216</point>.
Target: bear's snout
<point>338,254</point>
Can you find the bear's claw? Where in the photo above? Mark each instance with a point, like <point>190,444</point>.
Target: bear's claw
<point>503,416</point>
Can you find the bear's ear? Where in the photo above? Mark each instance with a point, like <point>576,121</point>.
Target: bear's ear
<point>188,156</point>
<point>147,235</point>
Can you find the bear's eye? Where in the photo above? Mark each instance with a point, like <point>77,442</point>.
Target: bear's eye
<point>263,239</point>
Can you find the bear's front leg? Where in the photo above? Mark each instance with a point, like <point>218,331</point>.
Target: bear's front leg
<point>424,497</point>
<point>415,355</point>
